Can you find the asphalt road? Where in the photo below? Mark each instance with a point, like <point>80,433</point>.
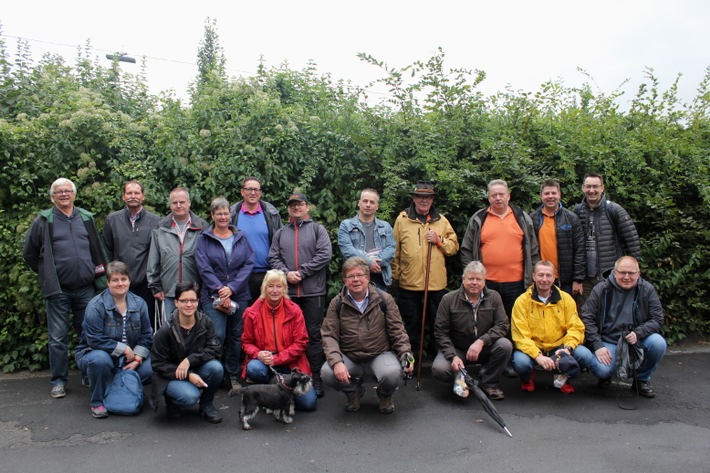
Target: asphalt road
<point>432,430</point>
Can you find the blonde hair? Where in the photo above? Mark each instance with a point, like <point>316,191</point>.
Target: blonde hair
<point>274,275</point>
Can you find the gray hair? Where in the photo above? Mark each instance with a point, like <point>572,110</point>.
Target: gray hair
<point>218,203</point>
<point>474,267</point>
<point>60,182</point>
<point>498,182</point>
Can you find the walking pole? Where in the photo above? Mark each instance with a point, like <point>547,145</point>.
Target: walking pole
<point>426,303</point>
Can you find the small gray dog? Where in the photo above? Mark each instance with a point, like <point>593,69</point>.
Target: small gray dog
<point>275,398</point>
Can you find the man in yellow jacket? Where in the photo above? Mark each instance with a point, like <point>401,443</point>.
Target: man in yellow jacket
<point>546,329</point>
<point>418,230</point>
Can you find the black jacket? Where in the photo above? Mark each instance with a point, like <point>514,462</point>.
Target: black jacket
<point>169,350</point>
<point>571,252</point>
<point>616,234</point>
<point>647,316</point>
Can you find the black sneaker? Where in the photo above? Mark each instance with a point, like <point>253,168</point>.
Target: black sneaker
<point>644,388</point>
<point>210,414</point>
<point>604,382</point>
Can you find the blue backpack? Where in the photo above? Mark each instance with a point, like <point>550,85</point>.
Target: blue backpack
<point>125,393</point>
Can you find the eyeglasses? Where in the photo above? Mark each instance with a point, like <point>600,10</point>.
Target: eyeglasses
<point>249,190</point>
<point>187,301</point>
<point>63,191</point>
<point>352,277</point>
<point>625,274</point>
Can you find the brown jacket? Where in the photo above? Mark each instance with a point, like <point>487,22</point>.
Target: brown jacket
<point>362,337</point>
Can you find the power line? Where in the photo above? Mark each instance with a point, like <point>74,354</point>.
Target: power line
<point>155,58</point>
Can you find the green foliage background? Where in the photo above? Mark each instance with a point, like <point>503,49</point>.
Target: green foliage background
<point>299,130</point>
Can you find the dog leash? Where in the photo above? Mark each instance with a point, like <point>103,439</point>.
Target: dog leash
<point>280,378</point>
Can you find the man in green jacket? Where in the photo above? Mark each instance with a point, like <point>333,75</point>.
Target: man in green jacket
<point>63,247</point>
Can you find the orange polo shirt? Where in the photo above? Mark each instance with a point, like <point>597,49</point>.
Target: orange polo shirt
<point>502,248</point>
<point>547,239</point>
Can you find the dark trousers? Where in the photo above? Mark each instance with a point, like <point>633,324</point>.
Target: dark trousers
<point>509,292</point>
<point>141,290</point>
<point>411,305</point>
<point>255,280</point>
<point>312,308</point>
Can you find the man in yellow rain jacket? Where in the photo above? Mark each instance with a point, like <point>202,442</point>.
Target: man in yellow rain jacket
<point>546,329</point>
<point>418,230</point>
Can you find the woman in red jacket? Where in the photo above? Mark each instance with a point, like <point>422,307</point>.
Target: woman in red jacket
<point>275,336</point>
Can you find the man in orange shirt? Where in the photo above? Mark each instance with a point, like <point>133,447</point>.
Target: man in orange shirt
<point>503,239</point>
<point>561,238</point>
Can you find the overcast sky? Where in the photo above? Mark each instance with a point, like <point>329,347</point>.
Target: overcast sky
<point>518,43</point>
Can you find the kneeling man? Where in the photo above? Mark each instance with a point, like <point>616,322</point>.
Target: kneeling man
<point>470,326</point>
<point>546,329</point>
<point>623,301</point>
<point>363,334</point>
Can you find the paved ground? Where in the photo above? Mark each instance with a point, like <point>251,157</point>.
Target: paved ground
<point>432,430</point>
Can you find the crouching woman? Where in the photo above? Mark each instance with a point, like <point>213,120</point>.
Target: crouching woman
<point>116,335</point>
<point>275,337</point>
<point>186,352</point>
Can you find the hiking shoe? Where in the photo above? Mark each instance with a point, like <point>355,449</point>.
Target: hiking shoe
<point>604,382</point>
<point>353,404</point>
<point>210,414</point>
<point>494,393</point>
<point>386,405</point>
<point>644,388</point>
<point>567,389</point>
<point>58,391</point>
<point>99,412</point>
<point>529,385</point>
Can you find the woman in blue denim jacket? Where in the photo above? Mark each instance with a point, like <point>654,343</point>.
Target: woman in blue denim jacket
<point>116,335</point>
<point>352,239</point>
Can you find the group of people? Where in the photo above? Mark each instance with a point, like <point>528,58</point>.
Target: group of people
<point>189,305</point>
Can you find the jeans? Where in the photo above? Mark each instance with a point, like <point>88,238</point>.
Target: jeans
<point>259,373</point>
<point>228,329</point>
<point>524,365</point>
<point>411,304</point>
<point>182,393</point>
<point>654,347</point>
<point>385,368</point>
<point>99,368</point>
<point>58,308</point>
<point>494,359</point>
<point>312,308</point>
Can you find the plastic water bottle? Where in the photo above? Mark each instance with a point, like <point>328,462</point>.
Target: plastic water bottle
<point>560,380</point>
<point>217,301</point>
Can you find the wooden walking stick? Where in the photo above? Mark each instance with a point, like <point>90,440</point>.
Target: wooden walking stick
<point>426,303</point>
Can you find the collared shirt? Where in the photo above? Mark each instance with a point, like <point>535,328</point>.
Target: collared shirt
<point>362,305</point>
<point>258,209</point>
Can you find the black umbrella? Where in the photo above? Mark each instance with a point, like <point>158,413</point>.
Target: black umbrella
<point>485,402</point>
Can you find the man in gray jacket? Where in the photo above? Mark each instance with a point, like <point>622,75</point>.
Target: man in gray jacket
<point>259,220</point>
<point>302,250</point>
<point>127,238</point>
<point>171,258</point>
<point>64,248</point>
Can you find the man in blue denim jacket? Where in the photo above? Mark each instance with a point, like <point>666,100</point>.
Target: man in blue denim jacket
<point>369,238</point>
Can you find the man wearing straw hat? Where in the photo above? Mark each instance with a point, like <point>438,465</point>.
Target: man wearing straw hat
<point>424,238</point>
